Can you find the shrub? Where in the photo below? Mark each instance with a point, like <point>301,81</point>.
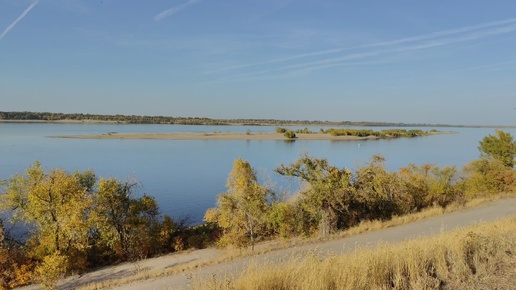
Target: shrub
<point>280,130</point>
<point>290,134</point>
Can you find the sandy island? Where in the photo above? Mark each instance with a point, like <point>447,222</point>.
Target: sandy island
<point>222,136</point>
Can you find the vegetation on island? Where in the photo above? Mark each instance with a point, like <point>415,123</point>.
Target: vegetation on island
<point>390,133</point>
<point>78,221</point>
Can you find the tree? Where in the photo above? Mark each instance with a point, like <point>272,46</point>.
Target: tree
<point>125,224</point>
<point>428,185</point>
<point>501,147</point>
<point>487,176</point>
<point>241,209</point>
<point>57,205</point>
<point>330,194</point>
<point>378,191</point>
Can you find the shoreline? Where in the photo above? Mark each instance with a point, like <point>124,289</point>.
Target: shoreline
<point>225,136</point>
<point>62,121</point>
<point>288,124</point>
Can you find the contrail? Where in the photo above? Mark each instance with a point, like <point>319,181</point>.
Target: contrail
<point>12,25</point>
<point>175,9</point>
<point>433,35</point>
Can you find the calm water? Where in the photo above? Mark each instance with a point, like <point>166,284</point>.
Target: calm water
<point>186,176</point>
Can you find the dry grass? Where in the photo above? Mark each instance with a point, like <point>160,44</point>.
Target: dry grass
<point>479,257</point>
<point>274,245</point>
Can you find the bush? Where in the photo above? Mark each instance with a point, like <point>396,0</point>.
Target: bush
<point>487,176</point>
<point>53,268</point>
<point>280,130</point>
<point>290,134</point>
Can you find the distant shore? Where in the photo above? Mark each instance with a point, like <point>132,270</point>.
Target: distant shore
<point>63,121</point>
<point>223,136</point>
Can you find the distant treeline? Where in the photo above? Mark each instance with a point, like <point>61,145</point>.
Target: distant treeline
<point>134,119</point>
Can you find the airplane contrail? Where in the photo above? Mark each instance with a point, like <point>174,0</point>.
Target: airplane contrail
<point>12,25</point>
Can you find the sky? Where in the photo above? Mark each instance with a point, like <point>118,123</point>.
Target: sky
<point>446,62</point>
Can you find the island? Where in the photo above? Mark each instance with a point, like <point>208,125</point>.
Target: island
<point>281,134</point>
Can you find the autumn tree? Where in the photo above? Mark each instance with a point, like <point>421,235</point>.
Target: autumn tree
<point>15,266</point>
<point>415,181</point>
<point>378,191</point>
<point>56,204</point>
<point>487,176</point>
<point>127,225</point>
<point>429,185</point>
<point>241,209</point>
<point>329,195</point>
<point>500,146</point>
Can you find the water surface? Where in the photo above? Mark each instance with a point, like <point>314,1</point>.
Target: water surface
<point>185,176</point>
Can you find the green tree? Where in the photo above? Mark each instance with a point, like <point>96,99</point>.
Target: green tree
<point>241,210</point>
<point>500,146</point>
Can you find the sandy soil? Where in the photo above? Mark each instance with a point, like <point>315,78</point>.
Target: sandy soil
<point>218,136</point>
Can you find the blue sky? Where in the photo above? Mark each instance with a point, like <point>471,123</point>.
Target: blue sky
<point>396,61</point>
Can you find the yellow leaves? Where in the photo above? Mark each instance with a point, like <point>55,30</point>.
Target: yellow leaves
<point>211,215</point>
<point>241,209</point>
<point>52,268</point>
<point>15,268</point>
<point>241,177</point>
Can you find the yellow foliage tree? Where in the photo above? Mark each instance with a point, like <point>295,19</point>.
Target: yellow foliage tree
<point>57,205</point>
<point>241,210</point>
<point>127,225</point>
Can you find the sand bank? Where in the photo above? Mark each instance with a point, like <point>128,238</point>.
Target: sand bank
<point>215,136</point>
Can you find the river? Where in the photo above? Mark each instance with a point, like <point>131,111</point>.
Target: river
<point>185,176</point>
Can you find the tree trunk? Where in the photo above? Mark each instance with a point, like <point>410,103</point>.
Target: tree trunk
<point>324,224</point>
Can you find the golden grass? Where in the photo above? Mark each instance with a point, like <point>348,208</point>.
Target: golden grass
<point>479,257</point>
<point>279,244</point>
